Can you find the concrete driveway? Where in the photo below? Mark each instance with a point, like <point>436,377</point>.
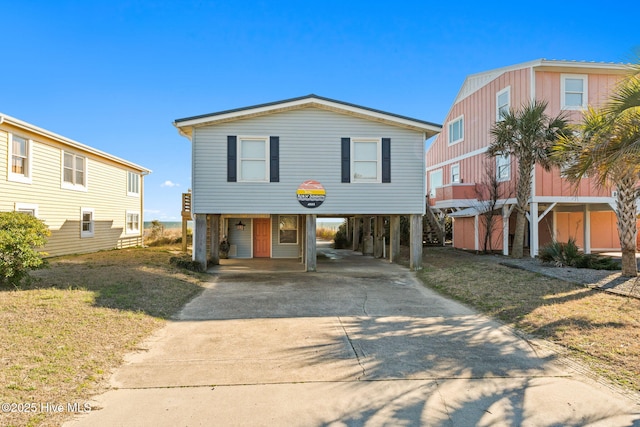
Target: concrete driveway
<point>359,343</point>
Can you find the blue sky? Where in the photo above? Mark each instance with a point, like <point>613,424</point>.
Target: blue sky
<point>115,74</point>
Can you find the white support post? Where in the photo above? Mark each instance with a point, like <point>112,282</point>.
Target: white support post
<point>533,220</point>
<point>476,232</point>
<point>506,212</point>
<point>587,229</point>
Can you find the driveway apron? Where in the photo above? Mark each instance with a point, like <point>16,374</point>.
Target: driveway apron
<point>361,342</point>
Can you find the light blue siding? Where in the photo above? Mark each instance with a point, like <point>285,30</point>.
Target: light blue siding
<point>241,238</point>
<point>309,150</point>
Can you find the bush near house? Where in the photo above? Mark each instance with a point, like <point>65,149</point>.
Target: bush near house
<point>20,236</point>
<point>568,255</point>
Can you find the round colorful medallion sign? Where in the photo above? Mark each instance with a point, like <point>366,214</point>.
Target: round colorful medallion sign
<point>311,194</point>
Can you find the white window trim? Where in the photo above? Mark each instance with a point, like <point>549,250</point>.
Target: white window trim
<point>85,234</point>
<point>432,190</point>
<point>297,231</point>
<point>508,162</point>
<point>21,207</point>
<point>501,92</point>
<point>449,134</point>
<point>378,178</point>
<point>70,186</point>
<point>139,178</point>
<point>265,139</point>
<point>126,223</point>
<point>456,165</point>
<point>585,91</point>
<point>17,177</point>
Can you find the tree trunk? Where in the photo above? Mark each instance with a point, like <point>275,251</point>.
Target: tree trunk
<point>523,193</point>
<point>627,228</point>
<point>517,251</point>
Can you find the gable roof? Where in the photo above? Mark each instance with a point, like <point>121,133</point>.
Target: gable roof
<point>185,125</point>
<point>474,82</point>
<point>70,143</point>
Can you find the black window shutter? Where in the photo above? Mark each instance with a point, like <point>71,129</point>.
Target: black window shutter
<point>386,159</point>
<point>274,154</point>
<point>346,159</point>
<point>232,156</point>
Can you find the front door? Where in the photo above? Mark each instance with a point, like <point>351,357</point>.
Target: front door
<point>261,237</point>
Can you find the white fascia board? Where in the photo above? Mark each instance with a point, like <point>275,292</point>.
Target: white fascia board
<point>457,159</point>
<point>571,199</point>
<point>429,129</point>
<point>69,142</point>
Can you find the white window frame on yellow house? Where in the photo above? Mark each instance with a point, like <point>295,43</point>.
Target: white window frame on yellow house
<point>136,229</point>
<point>133,184</point>
<point>73,183</point>
<point>25,159</point>
<point>91,222</point>
<point>27,208</point>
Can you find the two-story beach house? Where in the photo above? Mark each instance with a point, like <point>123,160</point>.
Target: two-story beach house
<point>457,162</point>
<point>90,200</point>
<point>262,175</point>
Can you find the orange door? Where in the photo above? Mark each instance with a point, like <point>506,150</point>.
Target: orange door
<point>261,237</point>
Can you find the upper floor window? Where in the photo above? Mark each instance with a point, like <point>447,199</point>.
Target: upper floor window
<point>253,159</point>
<point>574,91</point>
<point>19,159</point>
<point>456,130</point>
<point>503,167</point>
<point>455,174</point>
<point>133,184</point>
<point>74,171</point>
<point>503,103</point>
<point>366,165</point>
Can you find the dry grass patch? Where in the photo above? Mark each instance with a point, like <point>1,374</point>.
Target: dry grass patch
<point>600,329</point>
<point>64,333</point>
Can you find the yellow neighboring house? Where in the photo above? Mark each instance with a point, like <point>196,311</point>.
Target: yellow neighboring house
<point>90,200</point>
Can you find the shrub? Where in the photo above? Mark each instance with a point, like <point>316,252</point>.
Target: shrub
<point>325,233</point>
<point>20,235</point>
<point>597,262</point>
<point>187,263</point>
<point>568,254</point>
<point>341,240</point>
<point>559,253</point>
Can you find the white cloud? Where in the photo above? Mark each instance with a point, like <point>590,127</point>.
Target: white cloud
<point>168,183</point>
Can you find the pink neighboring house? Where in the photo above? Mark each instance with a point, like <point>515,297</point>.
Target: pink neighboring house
<point>456,160</point>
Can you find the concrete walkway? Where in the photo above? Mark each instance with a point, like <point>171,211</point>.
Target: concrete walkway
<point>359,343</point>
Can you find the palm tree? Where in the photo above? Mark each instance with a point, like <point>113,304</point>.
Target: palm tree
<point>606,145</point>
<point>528,135</point>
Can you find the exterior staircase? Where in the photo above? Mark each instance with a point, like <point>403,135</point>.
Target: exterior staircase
<point>433,227</point>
